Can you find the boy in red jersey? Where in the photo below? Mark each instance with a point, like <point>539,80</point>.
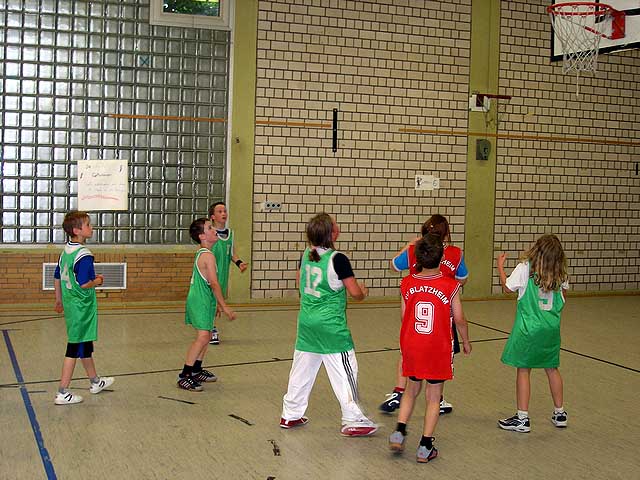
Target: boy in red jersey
<point>426,341</point>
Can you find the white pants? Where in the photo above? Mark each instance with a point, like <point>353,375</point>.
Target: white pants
<point>342,369</point>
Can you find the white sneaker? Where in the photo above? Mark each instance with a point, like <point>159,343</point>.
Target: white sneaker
<point>445,407</point>
<point>104,382</point>
<point>67,398</point>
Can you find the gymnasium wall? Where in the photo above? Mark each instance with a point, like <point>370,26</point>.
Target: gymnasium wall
<point>385,66</point>
<point>579,180</point>
<point>68,67</point>
<point>388,66</point>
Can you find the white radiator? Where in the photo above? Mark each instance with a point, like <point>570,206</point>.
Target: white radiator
<point>115,275</point>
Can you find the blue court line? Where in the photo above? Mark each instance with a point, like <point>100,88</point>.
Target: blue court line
<point>44,454</point>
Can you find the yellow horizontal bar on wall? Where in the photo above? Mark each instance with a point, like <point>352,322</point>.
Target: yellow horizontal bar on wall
<point>285,123</point>
<point>516,136</point>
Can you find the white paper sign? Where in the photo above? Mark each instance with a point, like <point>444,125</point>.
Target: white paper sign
<point>102,185</point>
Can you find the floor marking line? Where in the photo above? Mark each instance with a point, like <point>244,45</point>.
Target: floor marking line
<point>44,454</point>
<point>278,360</point>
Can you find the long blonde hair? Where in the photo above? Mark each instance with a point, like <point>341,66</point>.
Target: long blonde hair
<point>547,263</point>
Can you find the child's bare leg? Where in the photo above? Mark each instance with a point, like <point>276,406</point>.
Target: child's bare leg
<point>555,385</point>
<point>433,392</point>
<point>203,352</point>
<point>409,400</point>
<point>523,388</point>
<point>392,402</point>
<point>68,366</point>
<point>198,346</point>
<point>89,367</point>
<point>401,381</point>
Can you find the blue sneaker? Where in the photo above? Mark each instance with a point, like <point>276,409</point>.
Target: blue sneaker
<point>215,338</point>
<point>392,403</point>
<point>424,455</point>
<point>396,442</point>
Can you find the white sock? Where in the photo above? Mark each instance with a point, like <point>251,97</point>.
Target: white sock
<point>558,409</point>
<point>522,414</point>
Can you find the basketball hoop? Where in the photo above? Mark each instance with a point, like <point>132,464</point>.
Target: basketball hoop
<point>579,26</point>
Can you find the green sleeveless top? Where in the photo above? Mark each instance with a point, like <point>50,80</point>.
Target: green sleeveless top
<point>201,303</point>
<point>223,251</point>
<point>322,321</point>
<point>534,341</point>
<point>80,304</point>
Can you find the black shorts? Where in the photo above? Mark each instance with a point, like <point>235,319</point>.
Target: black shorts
<point>432,382</point>
<point>79,350</point>
<point>456,342</point>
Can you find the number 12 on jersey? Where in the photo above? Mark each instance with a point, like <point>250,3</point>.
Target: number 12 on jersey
<point>424,318</point>
<point>312,284</point>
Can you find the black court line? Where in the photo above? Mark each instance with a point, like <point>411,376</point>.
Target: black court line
<point>488,328</point>
<point>600,360</point>
<point>128,313</point>
<point>279,360</point>
<point>177,400</point>
<point>30,320</point>
<point>566,350</point>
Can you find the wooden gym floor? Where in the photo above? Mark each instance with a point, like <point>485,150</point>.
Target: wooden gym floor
<point>145,428</point>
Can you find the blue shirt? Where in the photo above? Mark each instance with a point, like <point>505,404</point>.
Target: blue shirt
<point>83,269</point>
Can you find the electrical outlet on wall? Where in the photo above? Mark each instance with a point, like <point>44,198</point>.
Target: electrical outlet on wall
<point>269,206</point>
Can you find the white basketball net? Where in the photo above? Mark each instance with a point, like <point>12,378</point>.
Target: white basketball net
<point>579,27</point>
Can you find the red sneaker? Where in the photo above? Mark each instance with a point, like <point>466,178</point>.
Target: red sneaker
<point>361,428</point>
<point>293,423</point>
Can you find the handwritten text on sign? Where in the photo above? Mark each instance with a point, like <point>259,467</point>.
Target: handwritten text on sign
<point>102,185</point>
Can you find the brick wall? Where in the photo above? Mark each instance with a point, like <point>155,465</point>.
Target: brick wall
<point>151,277</point>
<point>385,65</point>
<point>585,190</point>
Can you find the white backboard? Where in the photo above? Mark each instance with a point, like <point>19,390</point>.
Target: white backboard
<point>632,29</point>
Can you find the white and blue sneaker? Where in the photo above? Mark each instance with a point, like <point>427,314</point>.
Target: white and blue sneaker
<point>445,407</point>
<point>515,424</point>
<point>104,382</point>
<point>67,398</point>
<point>392,403</point>
<point>559,419</point>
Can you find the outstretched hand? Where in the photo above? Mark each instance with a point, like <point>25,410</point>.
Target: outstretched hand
<point>500,259</point>
<point>231,315</point>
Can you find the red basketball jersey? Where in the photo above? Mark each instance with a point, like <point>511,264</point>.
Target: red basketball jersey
<point>451,258</point>
<point>426,340</point>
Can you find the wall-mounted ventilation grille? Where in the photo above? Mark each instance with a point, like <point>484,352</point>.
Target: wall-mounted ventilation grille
<point>115,275</point>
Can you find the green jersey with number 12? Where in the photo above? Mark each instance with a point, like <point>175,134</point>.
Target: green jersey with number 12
<point>322,321</point>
